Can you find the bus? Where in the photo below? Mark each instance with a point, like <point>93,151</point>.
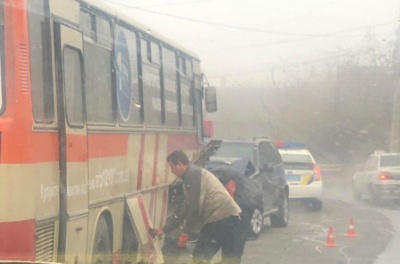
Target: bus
<point>91,103</point>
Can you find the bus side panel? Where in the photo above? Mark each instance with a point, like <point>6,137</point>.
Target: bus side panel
<point>14,242</point>
<point>17,226</point>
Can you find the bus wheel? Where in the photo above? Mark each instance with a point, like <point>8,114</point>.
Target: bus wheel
<point>102,243</point>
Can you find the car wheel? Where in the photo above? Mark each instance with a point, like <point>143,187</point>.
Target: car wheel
<point>316,204</point>
<point>257,223</point>
<point>356,194</point>
<point>281,218</point>
<point>375,198</point>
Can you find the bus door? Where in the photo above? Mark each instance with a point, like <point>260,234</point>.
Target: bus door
<point>73,152</point>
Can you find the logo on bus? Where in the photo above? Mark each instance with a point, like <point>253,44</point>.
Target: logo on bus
<point>123,75</point>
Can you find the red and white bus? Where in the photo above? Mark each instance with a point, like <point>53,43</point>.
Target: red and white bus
<point>91,103</point>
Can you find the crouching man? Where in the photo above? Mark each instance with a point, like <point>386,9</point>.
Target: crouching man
<point>208,203</point>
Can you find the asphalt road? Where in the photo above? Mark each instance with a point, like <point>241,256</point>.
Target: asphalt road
<point>302,241</point>
<point>304,238</point>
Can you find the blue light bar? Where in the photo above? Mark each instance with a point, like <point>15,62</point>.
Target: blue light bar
<point>289,144</point>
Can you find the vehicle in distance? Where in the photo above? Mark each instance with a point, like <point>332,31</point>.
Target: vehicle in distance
<point>379,178</point>
<point>263,164</point>
<point>302,173</point>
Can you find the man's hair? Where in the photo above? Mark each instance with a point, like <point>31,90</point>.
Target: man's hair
<point>178,156</point>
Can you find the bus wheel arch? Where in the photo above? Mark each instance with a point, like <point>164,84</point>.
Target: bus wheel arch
<point>103,239</point>
<point>130,242</point>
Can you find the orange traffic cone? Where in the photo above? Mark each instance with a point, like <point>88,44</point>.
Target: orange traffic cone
<point>350,231</point>
<point>330,240</point>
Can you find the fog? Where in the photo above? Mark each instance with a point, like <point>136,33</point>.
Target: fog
<point>317,71</point>
<point>242,40</point>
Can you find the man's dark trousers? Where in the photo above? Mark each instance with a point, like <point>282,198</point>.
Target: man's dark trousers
<point>214,236</point>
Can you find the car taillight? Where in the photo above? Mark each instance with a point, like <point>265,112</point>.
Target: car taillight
<point>384,175</point>
<point>317,173</point>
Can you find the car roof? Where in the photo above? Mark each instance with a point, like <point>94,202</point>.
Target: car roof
<point>385,154</point>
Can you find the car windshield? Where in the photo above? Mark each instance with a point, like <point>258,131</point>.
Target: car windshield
<point>300,158</point>
<point>390,161</point>
<point>236,150</point>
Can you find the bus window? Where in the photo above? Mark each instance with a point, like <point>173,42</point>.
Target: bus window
<point>196,67</point>
<point>87,25</point>
<point>103,32</point>
<point>73,88</point>
<point>182,66</point>
<point>170,88</point>
<point>151,85</point>
<point>189,69</point>
<point>127,77</point>
<point>97,59</point>
<point>187,96</point>
<point>41,58</point>
<point>155,53</point>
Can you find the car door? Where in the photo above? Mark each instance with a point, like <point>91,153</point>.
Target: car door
<point>366,175</point>
<point>268,179</point>
<point>373,171</point>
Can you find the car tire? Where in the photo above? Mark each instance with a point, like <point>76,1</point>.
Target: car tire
<point>375,198</point>
<point>257,223</point>
<point>316,204</point>
<point>356,194</point>
<point>281,218</point>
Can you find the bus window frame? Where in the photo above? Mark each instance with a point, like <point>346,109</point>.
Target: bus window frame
<point>92,40</point>
<point>121,25</point>
<point>184,75</point>
<point>149,62</point>
<point>175,52</point>
<point>49,93</point>
<point>82,74</point>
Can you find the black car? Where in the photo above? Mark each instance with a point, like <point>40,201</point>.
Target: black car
<point>259,160</point>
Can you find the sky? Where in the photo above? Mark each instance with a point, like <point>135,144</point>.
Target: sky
<point>241,41</point>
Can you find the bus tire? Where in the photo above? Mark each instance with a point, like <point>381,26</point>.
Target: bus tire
<point>102,248</point>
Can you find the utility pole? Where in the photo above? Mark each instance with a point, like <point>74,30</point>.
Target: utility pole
<point>395,131</point>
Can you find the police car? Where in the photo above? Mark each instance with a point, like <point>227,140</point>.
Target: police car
<point>379,178</point>
<point>302,173</point>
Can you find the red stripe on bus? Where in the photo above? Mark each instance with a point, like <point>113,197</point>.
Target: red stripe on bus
<point>17,240</point>
<point>164,208</point>
<point>182,142</point>
<point>140,163</point>
<point>143,211</point>
<point>76,148</point>
<point>156,147</point>
<point>148,247</point>
<point>154,179</point>
<point>107,145</point>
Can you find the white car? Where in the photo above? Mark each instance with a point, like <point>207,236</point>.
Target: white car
<point>379,178</point>
<point>302,174</point>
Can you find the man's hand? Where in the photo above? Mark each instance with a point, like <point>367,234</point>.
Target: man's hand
<point>155,232</point>
<point>183,238</point>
